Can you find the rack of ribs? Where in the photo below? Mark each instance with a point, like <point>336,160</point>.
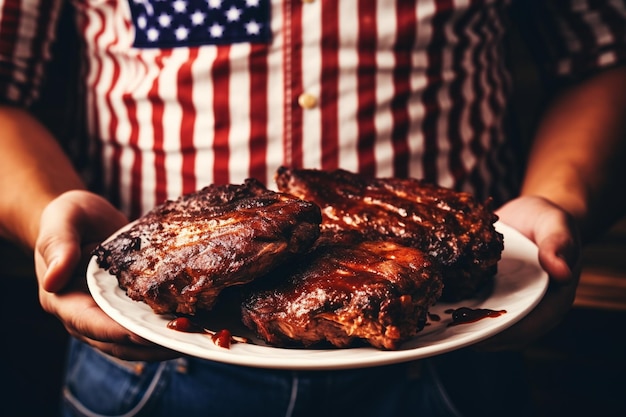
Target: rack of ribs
<point>345,293</point>
<point>450,226</point>
<point>183,253</point>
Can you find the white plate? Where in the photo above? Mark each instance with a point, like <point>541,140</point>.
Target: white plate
<point>518,286</point>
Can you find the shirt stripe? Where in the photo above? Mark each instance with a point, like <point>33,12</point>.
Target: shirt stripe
<point>403,47</point>
<point>276,95</point>
<point>239,110</point>
<point>292,21</point>
<point>381,105</point>
<point>309,143</point>
<point>329,95</point>
<point>158,110</point>
<point>432,89</point>
<point>185,79</point>
<point>348,60</point>
<point>366,86</point>
<point>220,74</point>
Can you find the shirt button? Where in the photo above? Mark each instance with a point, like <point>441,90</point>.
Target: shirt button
<point>307,101</point>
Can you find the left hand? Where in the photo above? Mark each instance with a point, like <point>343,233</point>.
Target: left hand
<point>71,226</point>
<point>555,233</point>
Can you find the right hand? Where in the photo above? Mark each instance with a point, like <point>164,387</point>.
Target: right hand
<point>556,235</point>
<point>71,226</point>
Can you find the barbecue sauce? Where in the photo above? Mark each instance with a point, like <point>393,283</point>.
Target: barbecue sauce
<point>183,324</point>
<point>464,315</point>
<point>222,338</point>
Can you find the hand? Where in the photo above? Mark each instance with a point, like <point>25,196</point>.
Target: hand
<point>556,236</point>
<point>71,226</point>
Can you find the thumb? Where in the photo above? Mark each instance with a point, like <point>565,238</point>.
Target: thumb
<point>57,250</point>
<point>56,259</point>
<point>68,227</point>
<point>558,255</point>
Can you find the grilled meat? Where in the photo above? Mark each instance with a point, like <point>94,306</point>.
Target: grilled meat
<point>345,293</point>
<point>179,256</point>
<point>452,227</point>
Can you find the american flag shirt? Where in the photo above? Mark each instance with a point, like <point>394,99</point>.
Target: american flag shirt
<point>178,94</point>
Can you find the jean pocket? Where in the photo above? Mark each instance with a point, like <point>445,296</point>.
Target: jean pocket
<point>99,385</point>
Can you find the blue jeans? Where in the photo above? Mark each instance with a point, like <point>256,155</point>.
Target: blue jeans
<point>99,385</point>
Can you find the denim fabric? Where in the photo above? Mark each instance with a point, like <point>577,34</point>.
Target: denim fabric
<point>99,385</point>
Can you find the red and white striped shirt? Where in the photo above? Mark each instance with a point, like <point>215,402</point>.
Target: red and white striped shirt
<point>383,87</point>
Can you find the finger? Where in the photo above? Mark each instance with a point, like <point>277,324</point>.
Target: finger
<point>57,254</point>
<point>133,352</point>
<point>102,333</point>
<point>82,316</point>
<point>553,231</point>
<point>558,256</point>
<point>85,321</point>
<point>559,247</point>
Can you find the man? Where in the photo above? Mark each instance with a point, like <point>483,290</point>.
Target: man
<point>185,93</point>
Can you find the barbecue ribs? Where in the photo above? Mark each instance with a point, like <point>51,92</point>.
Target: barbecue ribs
<point>345,293</point>
<point>450,226</point>
<point>179,256</point>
